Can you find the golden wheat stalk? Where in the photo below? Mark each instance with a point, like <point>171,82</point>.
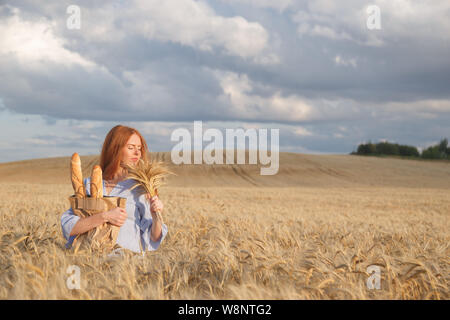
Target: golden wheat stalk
<point>149,176</point>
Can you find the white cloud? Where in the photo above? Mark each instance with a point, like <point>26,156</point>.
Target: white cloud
<point>237,92</point>
<point>34,43</point>
<point>322,31</point>
<point>268,59</point>
<point>339,61</point>
<point>431,107</point>
<point>195,24</point>
<point>279,5</point>
<point>300,131</point>
<point>400,19</point>
<point>186,22</point>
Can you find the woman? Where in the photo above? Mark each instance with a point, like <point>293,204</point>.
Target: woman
<point>140,228</point>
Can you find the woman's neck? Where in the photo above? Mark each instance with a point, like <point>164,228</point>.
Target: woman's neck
<point>119,175</point>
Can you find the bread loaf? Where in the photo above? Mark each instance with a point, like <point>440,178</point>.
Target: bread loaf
<point>77,176</point>
<point>96,182</point>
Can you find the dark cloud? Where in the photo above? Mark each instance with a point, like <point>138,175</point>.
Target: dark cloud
<point>397,72</point>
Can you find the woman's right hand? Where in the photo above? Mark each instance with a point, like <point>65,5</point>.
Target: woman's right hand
<point>116,216</point>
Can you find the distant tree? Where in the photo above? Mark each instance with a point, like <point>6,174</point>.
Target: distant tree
<point>408,151</point>
<point>363,149</point>
<point>439,151</point>
<point>433,153</point>
<point>387,148</point>
<point>366,148</point>
<point>443,145</point>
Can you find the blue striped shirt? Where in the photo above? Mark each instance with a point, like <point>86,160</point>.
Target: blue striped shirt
<point>137,227</point>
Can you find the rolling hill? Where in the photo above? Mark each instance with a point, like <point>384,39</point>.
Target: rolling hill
<point>294,170</point>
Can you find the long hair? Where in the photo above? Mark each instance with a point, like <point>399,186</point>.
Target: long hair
<point>115,141</point>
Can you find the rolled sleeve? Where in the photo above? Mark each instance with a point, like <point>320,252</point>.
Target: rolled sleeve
<point>146,228</point>
<point>68,221</point>
<point>153,245</point>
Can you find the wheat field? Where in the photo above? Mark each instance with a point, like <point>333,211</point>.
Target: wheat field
<point>303,234</point>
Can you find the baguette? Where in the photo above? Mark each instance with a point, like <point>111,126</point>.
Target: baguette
<point>96,182</point>
<point>77,176</point>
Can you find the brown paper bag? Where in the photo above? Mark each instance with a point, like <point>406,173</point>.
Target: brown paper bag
<point>102,238</point>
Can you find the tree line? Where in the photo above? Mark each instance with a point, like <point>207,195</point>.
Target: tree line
<point>438,151</point>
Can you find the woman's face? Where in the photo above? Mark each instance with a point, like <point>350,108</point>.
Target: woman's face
<point>132,150</point>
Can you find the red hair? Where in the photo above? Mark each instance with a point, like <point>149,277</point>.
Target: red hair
<point>115,141</point>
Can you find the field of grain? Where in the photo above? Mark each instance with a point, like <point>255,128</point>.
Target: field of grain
<point>310,232</point>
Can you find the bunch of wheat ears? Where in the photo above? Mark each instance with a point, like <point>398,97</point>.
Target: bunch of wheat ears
<point>148,176</point>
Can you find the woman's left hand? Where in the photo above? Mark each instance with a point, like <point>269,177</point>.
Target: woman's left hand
<point>156,205</point>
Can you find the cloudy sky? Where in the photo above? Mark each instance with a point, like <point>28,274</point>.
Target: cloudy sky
<point>316,70</point>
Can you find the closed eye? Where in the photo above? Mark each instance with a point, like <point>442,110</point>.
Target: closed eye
<point>132,146</point>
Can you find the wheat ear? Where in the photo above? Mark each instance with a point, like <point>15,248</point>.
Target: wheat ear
<point>149,176</point>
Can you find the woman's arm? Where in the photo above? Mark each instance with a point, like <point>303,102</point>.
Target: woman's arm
<point>116,216</point>
<point>153,230</point>
<point>156,231</point>
<point>85,224</point>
